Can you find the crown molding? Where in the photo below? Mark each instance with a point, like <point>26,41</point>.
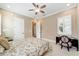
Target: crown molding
<point>15,13</point>
<point>53,13</point>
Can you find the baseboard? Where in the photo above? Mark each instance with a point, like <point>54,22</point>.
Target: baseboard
<point>50,40</point>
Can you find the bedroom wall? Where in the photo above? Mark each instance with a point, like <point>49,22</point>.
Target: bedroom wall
<point>9,17</point>
<point>28,27</point>
<point>49,28</point>
<point>0,23</point>
<point>78,19</point>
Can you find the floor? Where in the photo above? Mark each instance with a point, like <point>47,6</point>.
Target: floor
<point>57,51</point>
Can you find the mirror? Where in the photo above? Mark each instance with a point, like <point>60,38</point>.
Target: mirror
<point>64,25</point>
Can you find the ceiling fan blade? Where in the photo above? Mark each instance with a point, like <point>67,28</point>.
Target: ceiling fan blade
<point>37,6</point>
<point>31,9</point>
<point>42,11</point>
<point>34,5</point>
<point>36,13</point>
<point>43,6</point>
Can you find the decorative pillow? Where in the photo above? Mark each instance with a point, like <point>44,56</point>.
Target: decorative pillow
<point>4,43</point>
<point>1,49</point>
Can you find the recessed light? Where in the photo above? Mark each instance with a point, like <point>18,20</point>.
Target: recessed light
<point>68,4</point>
<point>8,6</point>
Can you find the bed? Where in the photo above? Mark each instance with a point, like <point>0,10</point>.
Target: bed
<point>27,47</point>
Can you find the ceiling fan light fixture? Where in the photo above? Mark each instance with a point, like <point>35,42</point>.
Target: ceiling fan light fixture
<point>37,10</point>
<point>68,4</point>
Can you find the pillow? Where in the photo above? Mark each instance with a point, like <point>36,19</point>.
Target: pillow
<point>4,43</point>
<point>1,49</point>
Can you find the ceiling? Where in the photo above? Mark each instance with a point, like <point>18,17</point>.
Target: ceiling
<point>22,8</point>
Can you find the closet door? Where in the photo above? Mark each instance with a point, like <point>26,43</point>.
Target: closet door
<point>18,28</point>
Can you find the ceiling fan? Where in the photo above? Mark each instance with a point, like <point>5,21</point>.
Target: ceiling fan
<point>38,8</point>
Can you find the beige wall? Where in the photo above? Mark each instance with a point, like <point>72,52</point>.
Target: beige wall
<point>50,26</point>
<point>28,27</point>
<point>78,19</point>
<point>6,15</point>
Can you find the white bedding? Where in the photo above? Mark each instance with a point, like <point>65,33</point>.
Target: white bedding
<point>28,47</point>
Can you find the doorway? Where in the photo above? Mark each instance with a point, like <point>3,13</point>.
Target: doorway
<point>18,28</point>
<point>33,29</point>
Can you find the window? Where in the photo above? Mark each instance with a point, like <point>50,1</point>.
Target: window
<point>64,25</point>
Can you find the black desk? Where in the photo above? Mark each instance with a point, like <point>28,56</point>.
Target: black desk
<point>74,41</point>
<point>58,39</point>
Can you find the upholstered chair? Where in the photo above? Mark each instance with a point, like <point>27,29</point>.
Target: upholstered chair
<point>65,42</point>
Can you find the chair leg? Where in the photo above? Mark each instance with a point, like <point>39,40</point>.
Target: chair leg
<point>61,46</point>
<point>68,48</point>
<point>77,48</point>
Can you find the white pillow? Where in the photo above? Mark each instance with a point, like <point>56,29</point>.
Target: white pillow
<point>1,49</point>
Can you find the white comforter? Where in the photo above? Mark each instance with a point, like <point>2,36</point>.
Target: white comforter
<point>28,47</point>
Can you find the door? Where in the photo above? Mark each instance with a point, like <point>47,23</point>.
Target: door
<point>18,28</point>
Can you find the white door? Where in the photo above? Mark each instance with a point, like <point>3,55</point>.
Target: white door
<point>18,28</point>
